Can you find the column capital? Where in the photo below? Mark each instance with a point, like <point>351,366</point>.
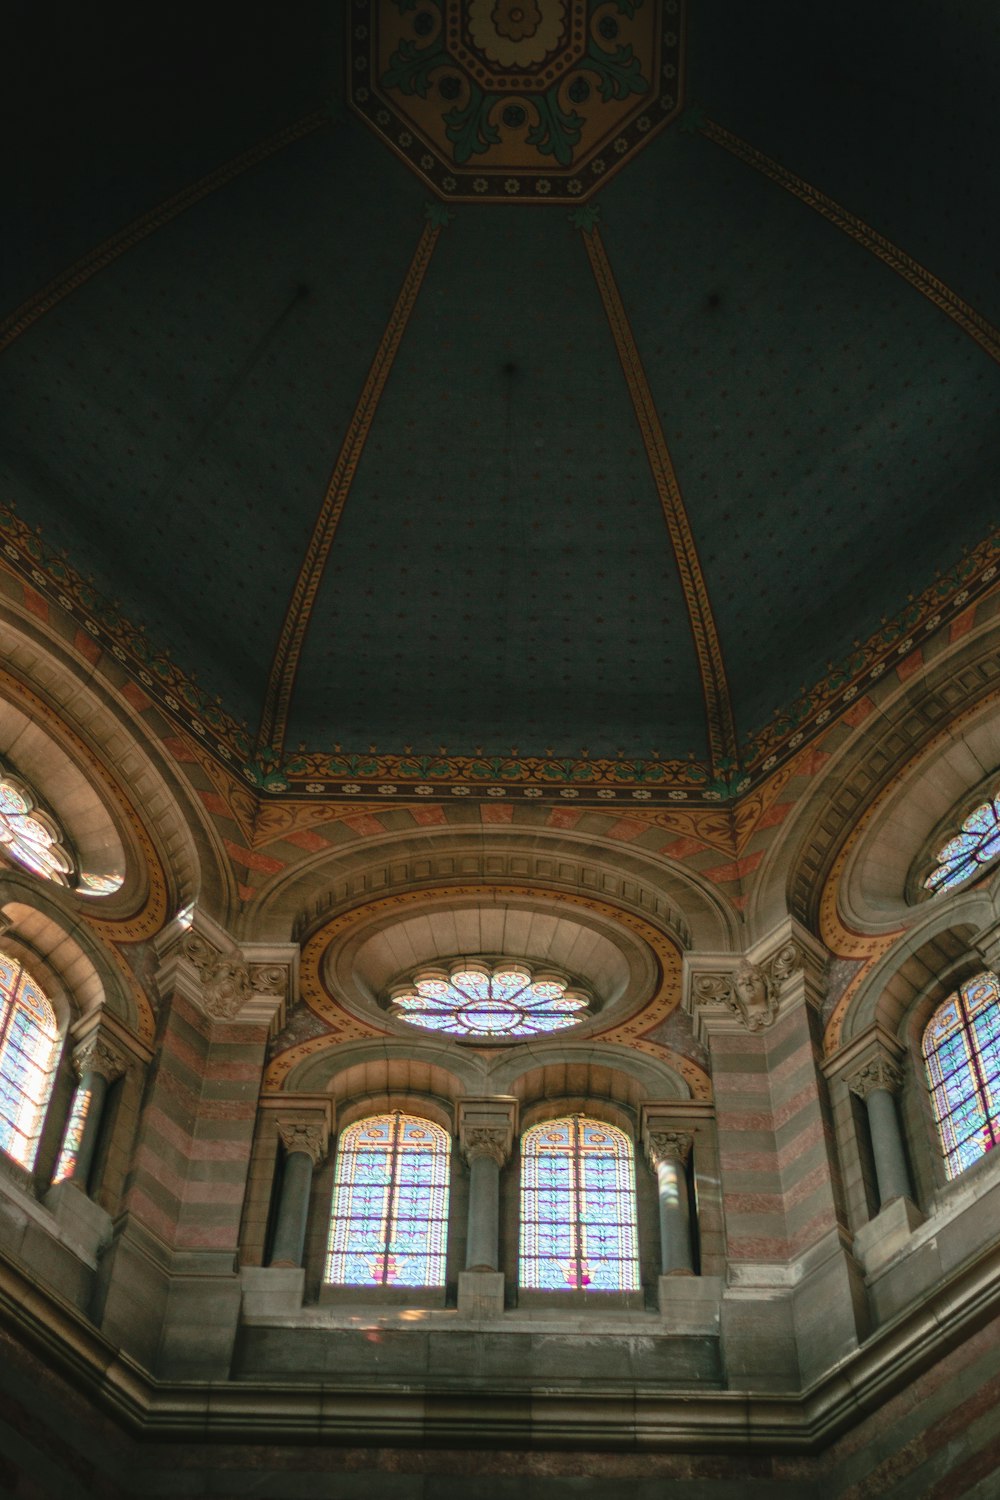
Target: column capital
<point>486,1127</point>
<point>668,1145</point>
<point>879,1072</point>
<point>310,1136</point>
<point>251,986</point>
<point>98,1054</point>
<point>729,992</point>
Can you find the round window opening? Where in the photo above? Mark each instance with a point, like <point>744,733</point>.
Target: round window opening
<point>975,845</point>
<point>32,837</point>
<point>496,1000</point>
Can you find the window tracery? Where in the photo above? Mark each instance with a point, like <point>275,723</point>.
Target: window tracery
<point>961,1049</point>
<point>389,1225</point>
<point>578,1208</point>
<point>976,844</point>
<point>479,999</point>
<point>33,839</point>
<point>29,1041</point>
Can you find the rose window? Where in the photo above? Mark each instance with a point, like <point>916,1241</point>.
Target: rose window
<point>33,839</point>
<point>479,999</point>
<point>30,837</point>
<point>976,844</point>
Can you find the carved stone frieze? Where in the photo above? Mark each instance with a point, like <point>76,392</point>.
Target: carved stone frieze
<point>486,1140</point>
<point>98,1055</point>
<point>668,1145</point>
<point>877,1073</point>
<point>309,1136</point>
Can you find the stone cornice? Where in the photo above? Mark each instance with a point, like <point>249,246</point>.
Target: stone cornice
<point>388,1414</point>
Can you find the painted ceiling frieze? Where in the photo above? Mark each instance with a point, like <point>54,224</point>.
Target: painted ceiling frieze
<point>345,775</point>
<point>516,100</point>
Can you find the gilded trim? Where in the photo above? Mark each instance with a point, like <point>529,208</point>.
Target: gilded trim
<point>21,319</point>
<point>718,705</point>
<point>928,285</point>
<point>281,682</point>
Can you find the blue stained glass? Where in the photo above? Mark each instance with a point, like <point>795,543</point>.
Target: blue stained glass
<point>968,851</point>
<point>29,1040</point>
<point>390,1204</point>
<point>578,1218</point>
<point>961,1048</point>
<point>479,1000</point>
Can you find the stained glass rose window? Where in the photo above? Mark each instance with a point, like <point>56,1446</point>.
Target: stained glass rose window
<point>476,998</point>
<point>976,844</point>
<point>30,836</point>
<point>33,839</point>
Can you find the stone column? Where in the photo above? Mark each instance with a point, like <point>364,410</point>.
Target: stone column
<point>97,1062</point>
<point>486,1133</point>
<point>668,1152</point>
<point>877,1083</point>
<point>305,1144</point>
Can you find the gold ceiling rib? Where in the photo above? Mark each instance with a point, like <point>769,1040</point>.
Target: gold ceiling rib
<point>928,285</point>
<point>274,718</point>
<point>21,319</point>
<point>718,705</point>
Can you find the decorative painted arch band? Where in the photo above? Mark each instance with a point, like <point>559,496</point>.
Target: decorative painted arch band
<point>632,1031</point>
<point>843,941</point>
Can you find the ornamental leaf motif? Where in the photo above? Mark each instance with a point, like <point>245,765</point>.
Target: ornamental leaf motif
<point>470,129</point>
<point>619,73</point>
<point>410,67</point>
<point>557,131</point>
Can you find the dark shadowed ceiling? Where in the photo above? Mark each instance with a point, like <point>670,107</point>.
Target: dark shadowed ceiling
<point>380,465</point>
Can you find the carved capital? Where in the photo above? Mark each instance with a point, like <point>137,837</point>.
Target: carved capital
<point>228,985</point>
<point>668,1145</point>
<point>486,1140</point>
<point>878,1073</point>
<point>751,991</point>
<point>98,1055</point>
<point>307,1136</point>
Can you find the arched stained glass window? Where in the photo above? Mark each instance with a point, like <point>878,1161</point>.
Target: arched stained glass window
<point>31,837</point>
<point>390,1204</point>
<point>29,1039</point>
<point>578,1219</point>
<point>961,1049</point>
<point>976,844</point>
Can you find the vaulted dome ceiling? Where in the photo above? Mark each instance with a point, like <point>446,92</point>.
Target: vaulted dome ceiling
<point>413,485</point>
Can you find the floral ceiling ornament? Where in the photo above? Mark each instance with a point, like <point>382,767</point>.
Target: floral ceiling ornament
<point>488,1001</point>
<point>515,100</point>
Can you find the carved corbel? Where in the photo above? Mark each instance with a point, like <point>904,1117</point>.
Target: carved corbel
<point>230,987</point>
<point>752,991</point>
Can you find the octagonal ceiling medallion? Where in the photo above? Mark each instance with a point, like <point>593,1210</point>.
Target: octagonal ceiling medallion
<point>516,100</point>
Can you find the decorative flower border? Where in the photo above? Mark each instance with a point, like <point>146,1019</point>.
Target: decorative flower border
<point>579,779</point>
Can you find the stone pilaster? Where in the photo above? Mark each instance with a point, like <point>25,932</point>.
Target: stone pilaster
<point>177,1298</point>
<point>787,1241</point>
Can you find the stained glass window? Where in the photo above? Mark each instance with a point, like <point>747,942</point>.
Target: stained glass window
<point>30,837</point>
<point>479,999</point>
<point>578,1222</point>
<point>29,1039</point>
<point>390,1204</point>
<point>962,1055</point>
<point>976,844</point>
